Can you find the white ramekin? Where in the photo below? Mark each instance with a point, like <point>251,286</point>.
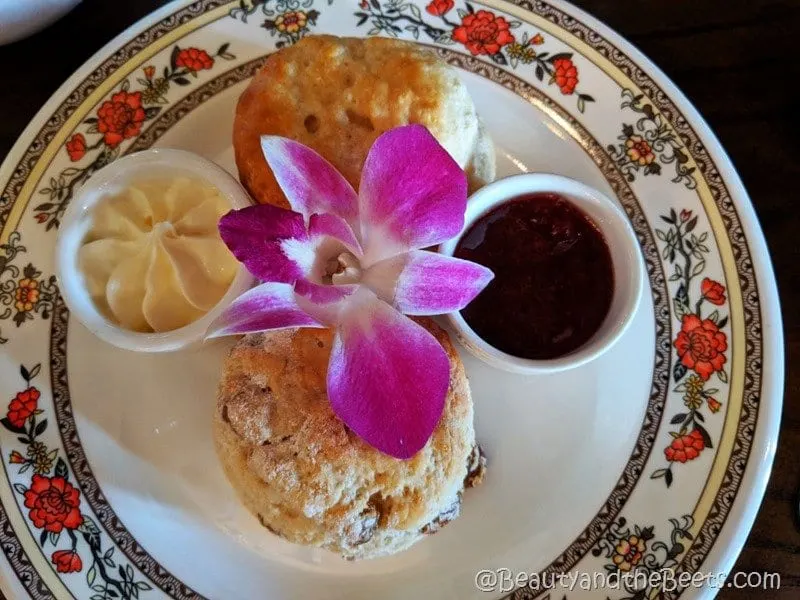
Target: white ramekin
<point>626,260</point>
<point>160,162</point>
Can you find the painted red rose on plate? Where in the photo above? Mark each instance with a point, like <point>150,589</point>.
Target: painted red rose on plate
<point>483,33</point>
<point>67,561</point>
<point>23,406</point>
<point>437,8</point>
<point>121,117</point>
<point>565,75</point>
<point>54,504</point>
<point>194,59</point>
<point>685,447</point>
<point>713,291</point>
<point>701,345</point>
<point>76,147</point>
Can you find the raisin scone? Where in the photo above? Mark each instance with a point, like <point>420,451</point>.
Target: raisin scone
<point>308,478</point>
<point>337,95</point>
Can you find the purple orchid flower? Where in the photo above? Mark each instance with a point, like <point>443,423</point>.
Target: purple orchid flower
<point>355,262</point>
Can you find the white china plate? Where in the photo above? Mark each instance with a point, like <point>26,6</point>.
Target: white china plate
<point>590,471</point>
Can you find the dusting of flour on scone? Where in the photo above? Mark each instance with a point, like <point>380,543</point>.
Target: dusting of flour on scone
<point>310,480</point>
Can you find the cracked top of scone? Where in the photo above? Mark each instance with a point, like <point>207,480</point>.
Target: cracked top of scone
<point>307,476</point>
<point>337,95</point>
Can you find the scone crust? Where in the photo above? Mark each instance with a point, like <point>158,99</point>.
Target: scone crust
<point>337,95</point>
<point>309,479</point>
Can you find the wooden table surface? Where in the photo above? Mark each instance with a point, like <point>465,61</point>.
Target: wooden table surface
<point>736,60</point>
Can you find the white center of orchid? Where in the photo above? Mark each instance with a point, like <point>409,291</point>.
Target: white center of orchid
<point>342,269</point>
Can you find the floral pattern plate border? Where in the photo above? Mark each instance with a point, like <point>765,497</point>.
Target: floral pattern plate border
<point>655,140</point>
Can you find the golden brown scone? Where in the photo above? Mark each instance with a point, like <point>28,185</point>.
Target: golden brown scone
<point>337,95</point>
<point>309,479</point>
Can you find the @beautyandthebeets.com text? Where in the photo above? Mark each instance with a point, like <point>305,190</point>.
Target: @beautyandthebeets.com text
<point>666,580</point>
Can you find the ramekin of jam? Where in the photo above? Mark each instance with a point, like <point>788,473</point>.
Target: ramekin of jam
<point>568,273</point>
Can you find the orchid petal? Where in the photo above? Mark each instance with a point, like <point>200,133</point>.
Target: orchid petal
<point>388,377</point>
<point>412,194</point>
<point>274,245</point>
<point>427,283</point>
<point>267,306</point>
<point>256,234</point>
<point>311,184</point>
<point>332,226</point>
<point>325,303</point>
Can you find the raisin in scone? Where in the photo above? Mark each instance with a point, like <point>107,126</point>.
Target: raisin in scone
<point>308,478</point>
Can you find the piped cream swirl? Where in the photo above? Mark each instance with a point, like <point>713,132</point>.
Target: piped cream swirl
<point>153,259</point>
